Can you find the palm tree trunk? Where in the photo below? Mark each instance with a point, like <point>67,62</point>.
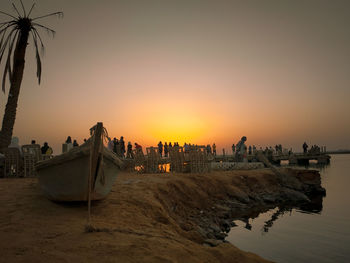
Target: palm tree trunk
<point>11,107</point>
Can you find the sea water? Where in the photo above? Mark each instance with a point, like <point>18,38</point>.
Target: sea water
<point>320,233</point>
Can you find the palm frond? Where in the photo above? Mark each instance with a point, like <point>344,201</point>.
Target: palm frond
<point>4,80</point>
<point>24,10</point>
<point>9,54</point>
<point>1,28</point>
<point>31,9</point>
<point>59,14</point>
<point>2,40</point>
<point>19,15</point>
<point>9,34</point>
<point>1,12</point>
<point>9,24</point>
<point>38,60</point>
<point>39,37</point>
<point>7,69</point>
<point>4,23</point>
<point>48,30</point>
<point>3,32</point>
<point>3,48</point>
<point>4,29</point>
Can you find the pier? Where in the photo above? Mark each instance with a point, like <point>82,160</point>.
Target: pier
<point>293,159</point>
<point>302,158</point>
<point>197,160</point>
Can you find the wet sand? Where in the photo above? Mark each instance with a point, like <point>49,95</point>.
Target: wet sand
<point>146,218</point>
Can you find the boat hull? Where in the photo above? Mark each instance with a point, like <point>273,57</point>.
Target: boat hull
<point>68,179</point>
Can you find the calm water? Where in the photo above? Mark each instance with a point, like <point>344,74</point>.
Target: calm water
<point>319,234</point>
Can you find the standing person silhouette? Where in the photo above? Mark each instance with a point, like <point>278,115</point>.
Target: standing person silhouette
<point>166,150</point>
<point>115,146</point>
<point>214,149</point>
<point>122,146</point>
<point>305,146</point>
<point>129,151</point>
<point>160,148</point>
<point>241,149</point>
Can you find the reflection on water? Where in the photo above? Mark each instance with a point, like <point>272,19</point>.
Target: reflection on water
<point>314,232</point>
<point>269,217</point>
<point>269,223</point>
<point>312,165</point>
<point>314,207</point>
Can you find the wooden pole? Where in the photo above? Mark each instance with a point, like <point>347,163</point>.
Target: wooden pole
<point>95,149</point>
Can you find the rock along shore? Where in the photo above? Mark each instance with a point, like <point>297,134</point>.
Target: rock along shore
<point>147,217</point>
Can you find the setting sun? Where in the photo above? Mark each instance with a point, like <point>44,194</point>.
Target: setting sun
<point>176,125</point>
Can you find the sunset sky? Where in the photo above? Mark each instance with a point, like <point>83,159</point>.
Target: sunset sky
<point>194,71</point>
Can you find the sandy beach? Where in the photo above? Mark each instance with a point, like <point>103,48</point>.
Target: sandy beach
<point>146,217</point>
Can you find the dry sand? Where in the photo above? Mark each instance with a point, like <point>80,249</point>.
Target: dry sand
<point>146,218</point>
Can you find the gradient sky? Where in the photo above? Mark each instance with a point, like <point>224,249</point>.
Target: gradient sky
<point>190,71</point>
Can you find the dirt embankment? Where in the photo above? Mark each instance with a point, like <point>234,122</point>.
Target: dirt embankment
<point>146,218</point>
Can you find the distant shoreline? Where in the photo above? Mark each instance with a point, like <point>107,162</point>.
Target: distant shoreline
<point>338,152</point>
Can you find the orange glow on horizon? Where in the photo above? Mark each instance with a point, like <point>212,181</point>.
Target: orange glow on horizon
<point>176,125</point>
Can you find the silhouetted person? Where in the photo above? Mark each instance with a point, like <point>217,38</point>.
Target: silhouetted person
<point>166,150</point>
<point>122,146</point>
<point>75,144</point>
<point>129,151</point>
<point>233,149</point>
<point>160,148</point>
<point>187,148</point>
<point>241,149</point>
<point>208,149</point>
<point>305,146</point>
<point>214,149</point>
<point>311,149</point>
<point>67,145</point>
<point>44,148</point>
<point>69,140</point>
<point>254,149</point>
<point>115,146</point>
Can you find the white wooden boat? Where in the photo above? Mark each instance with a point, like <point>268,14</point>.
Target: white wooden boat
<point>70,176</point>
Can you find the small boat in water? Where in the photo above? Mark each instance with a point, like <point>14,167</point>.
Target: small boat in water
<point>86,172</point>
